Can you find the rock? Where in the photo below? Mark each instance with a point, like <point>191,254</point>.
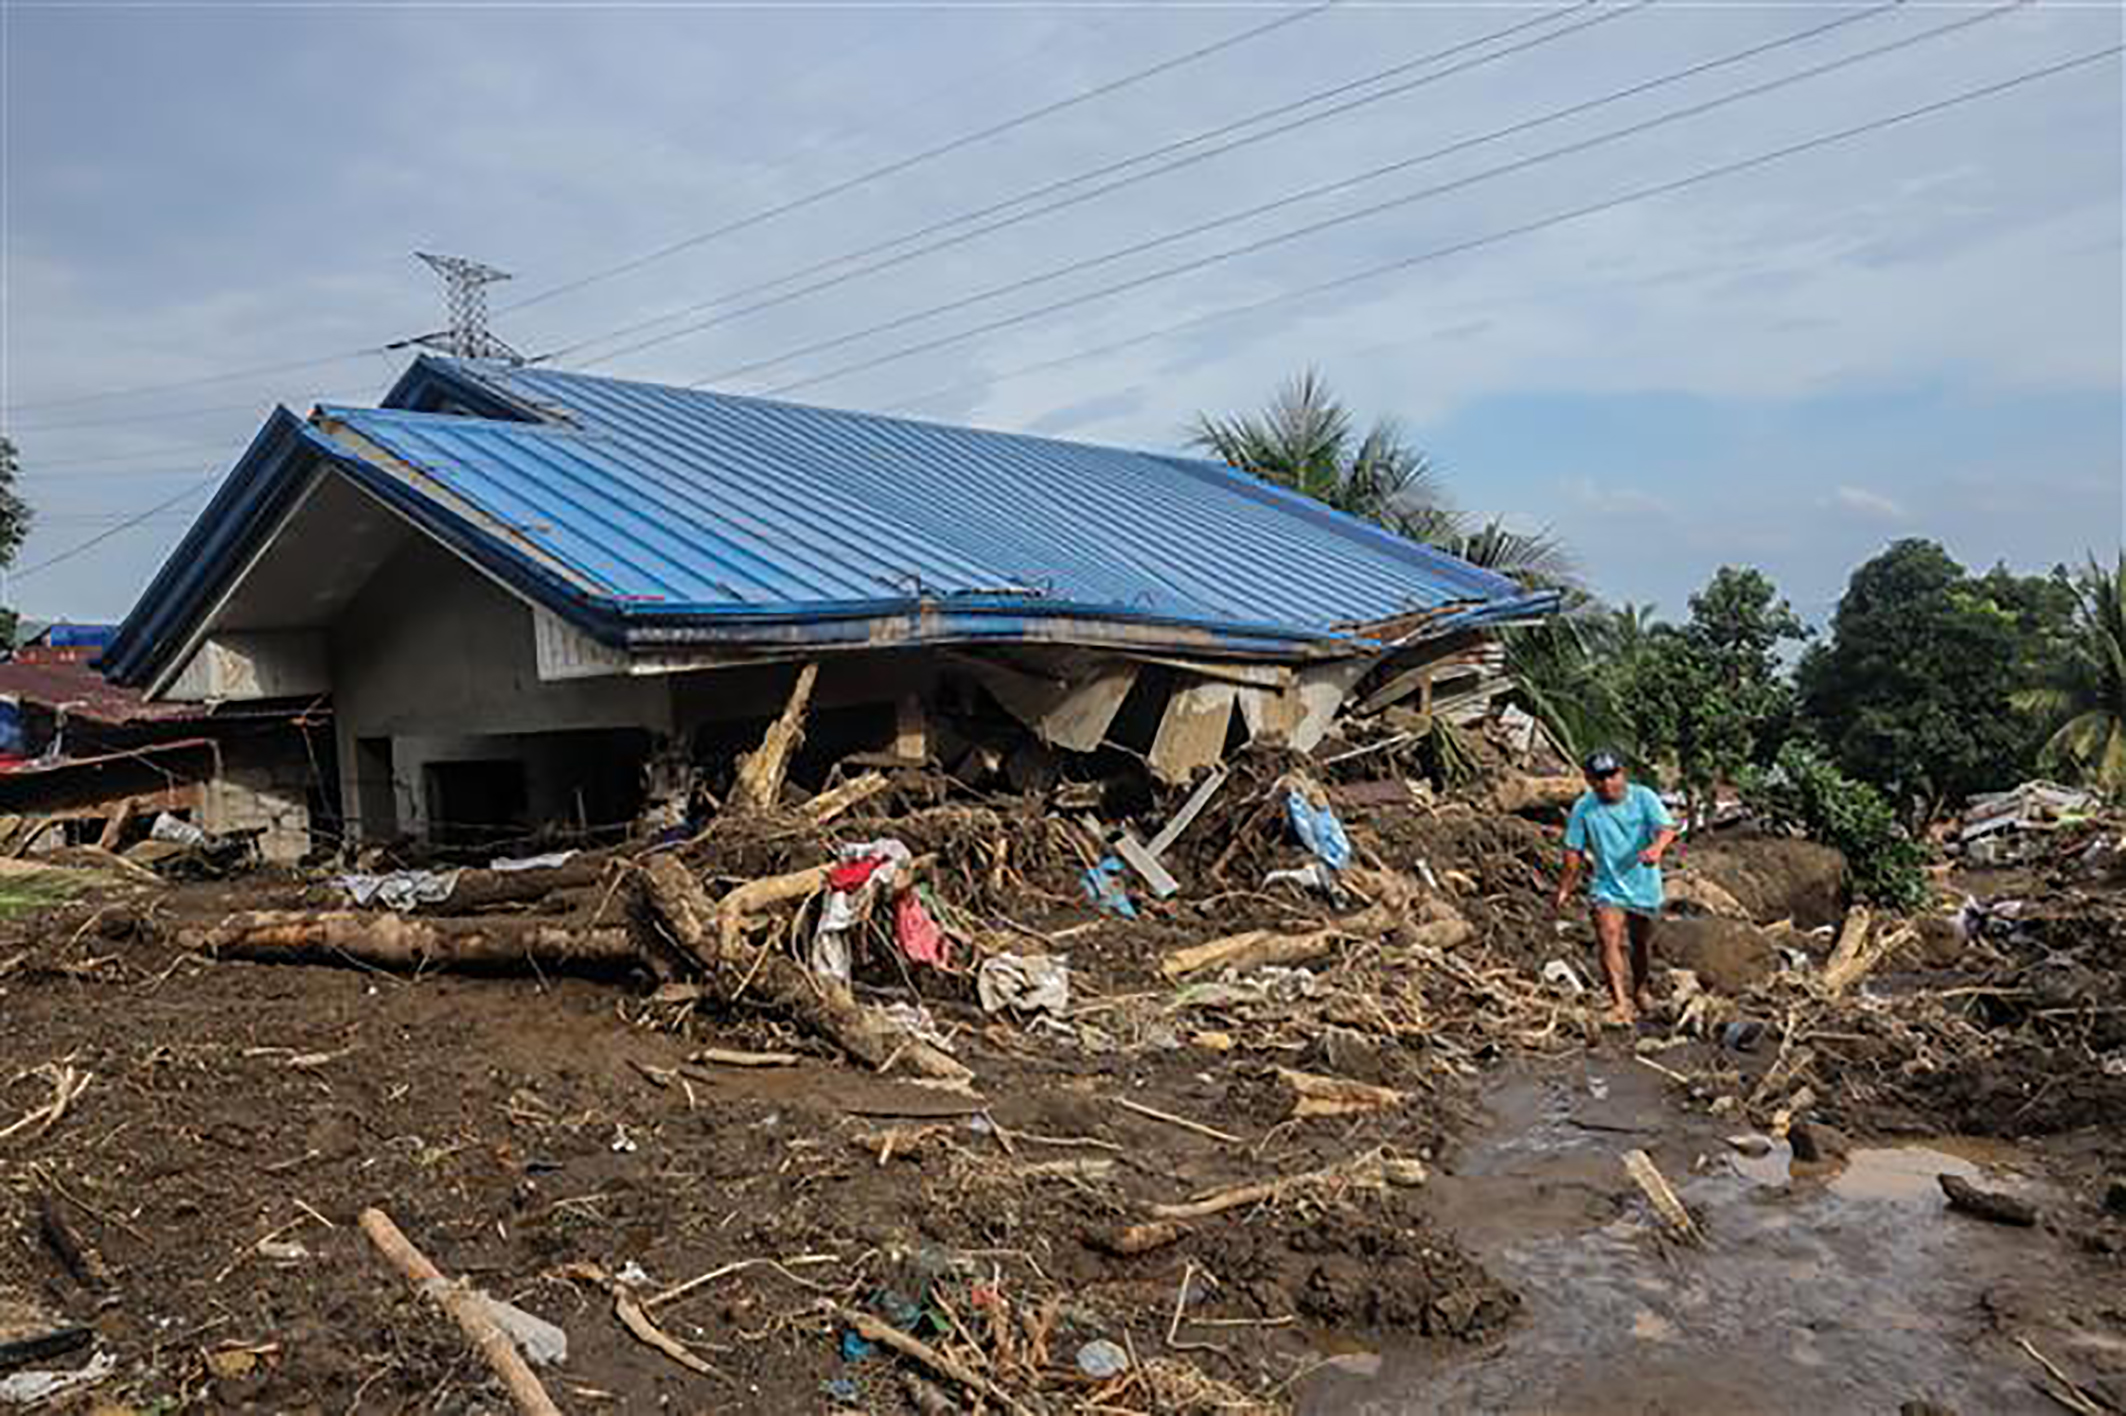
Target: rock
<point>1101,1359</point>
<point>2115,1195</point>
<point>1814,1142</point>
<point>1351,1053</point>
<point>542,1344</point>
<point>1751,1144</point>
<point>1988,1205</point>
<point>1920,1406</point>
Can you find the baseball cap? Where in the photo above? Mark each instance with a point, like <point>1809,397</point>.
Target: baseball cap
<point>1602,763</point>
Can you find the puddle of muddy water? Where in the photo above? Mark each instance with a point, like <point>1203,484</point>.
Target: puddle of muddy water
<point>1820,1290</point>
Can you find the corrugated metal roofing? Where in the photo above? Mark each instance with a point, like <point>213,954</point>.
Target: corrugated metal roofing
<point>679,501</point>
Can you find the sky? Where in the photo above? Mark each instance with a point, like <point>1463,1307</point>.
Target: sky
<point>1788,363</point>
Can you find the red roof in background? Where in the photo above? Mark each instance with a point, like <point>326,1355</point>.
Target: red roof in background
<point>59,678</point>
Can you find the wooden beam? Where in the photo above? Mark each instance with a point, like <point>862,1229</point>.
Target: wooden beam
<point>1192,731</point>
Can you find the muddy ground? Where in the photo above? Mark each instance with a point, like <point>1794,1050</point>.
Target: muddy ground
<point>196,1204</point>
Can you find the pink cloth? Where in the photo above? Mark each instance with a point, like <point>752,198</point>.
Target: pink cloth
<point>916,932</point>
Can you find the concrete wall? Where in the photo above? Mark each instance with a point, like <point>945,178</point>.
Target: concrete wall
<point>443,662</point>
<point>270,794</point>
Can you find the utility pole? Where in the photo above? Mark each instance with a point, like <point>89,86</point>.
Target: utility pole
<point>465,283</point>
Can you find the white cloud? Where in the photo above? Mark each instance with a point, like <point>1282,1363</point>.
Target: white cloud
<point>1862,502</point>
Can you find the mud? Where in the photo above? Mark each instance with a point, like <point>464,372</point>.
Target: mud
<point>1835,1288</point>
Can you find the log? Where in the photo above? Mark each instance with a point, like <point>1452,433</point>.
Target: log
<point>1250,949</point>
<point>483,889</point>
<point>760,775</point>
<point>782,985</point>
<point>1316,1095</point>
<point>465,1307</point>
<point>1847,968</point>
<point>402,941</point>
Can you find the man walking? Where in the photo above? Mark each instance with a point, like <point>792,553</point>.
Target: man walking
<point>1618,832</point>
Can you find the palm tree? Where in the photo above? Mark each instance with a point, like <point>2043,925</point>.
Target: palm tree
<point>1307,440</point>
<point>2086,699</point>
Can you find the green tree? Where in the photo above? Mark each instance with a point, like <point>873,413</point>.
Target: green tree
<point>1916,691</point>
<point>14,526</point>
<point>1804,789</point>
<point>2084,703</point>
<point>1707,695</point>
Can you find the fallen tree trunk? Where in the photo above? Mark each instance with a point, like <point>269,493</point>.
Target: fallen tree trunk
<point>1248,950</point>
<point>403,941</point>
<point>713,933</point>
<point>482,889</point>
<point>1516,793</point>
<point>760,774</point>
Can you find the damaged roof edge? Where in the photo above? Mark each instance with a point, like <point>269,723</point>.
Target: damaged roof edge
<point>240,507</point>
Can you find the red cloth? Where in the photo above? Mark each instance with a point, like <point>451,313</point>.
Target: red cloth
<point>916,932</point>
<point>852,874</point>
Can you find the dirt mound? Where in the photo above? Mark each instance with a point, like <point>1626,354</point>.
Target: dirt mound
<point>1773,877</point>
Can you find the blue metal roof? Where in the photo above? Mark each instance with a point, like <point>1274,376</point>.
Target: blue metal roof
<point>648,513</point>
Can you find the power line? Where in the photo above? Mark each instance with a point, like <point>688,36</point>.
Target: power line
<point>230,376</point>
<point>19,430</point>
<point>1640,194</point>
<point>32,467</point>
<point>1363,213</point>
<point>1095,173</point>
<point>126,525</point>
<point>1390,169</point>
<point>903,164</point>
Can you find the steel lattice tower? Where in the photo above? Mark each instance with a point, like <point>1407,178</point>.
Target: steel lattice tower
<point>465,285</point>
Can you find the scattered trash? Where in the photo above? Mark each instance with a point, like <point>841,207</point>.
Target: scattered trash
<point>1104,887</point>
<point>623,1143</point>
<point>23,1388</point>
<point>864,870</point>
<point>401,890</point>
<point>1101,1359</point>
<point>1315,876</point>
<point>915,1020</point>
<point>1559,974</point>
<point>917,934</point>
<point>552,860</point>
<point>854,1348</point>
<point>282,1251</point>
<point>1741,1035</point>
<point>1037,983</point>
<point>176,831</point>
<point>1314,822</point>
<point>542,1343</point>
<point>632,1274</point>
<point>844,1391</point>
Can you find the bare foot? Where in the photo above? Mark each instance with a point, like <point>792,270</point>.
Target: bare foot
<point>1620,1015</point>
<point>1645,1000</point>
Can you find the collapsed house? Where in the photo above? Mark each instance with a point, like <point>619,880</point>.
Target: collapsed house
<point>535,597</point>
<point>84,761</point>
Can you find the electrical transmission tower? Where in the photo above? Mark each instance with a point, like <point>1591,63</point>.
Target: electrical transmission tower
<point>465,285</point>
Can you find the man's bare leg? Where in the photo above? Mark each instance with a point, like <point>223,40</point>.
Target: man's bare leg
<point>1642,961</point>
<point>1610,931</point>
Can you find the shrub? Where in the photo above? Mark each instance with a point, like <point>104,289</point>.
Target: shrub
<point>1805,790</point>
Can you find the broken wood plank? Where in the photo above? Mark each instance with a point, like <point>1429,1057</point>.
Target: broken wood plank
<point>1190,810</point>
<point>1192,730</point>
<point>1249,949</point>
<point>1072,712</point>
<point>854,792</point>
<point>1129,1240</point>
<point>1644,1173</point>
<point>411,941</point>
<point>1146,864</point>
<point>464,1306</point>
<point>1320,692</point>
<point>761,773</point>
<point>1848,966</point>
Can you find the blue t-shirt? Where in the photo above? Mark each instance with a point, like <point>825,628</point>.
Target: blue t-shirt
<point>1612,836</point>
